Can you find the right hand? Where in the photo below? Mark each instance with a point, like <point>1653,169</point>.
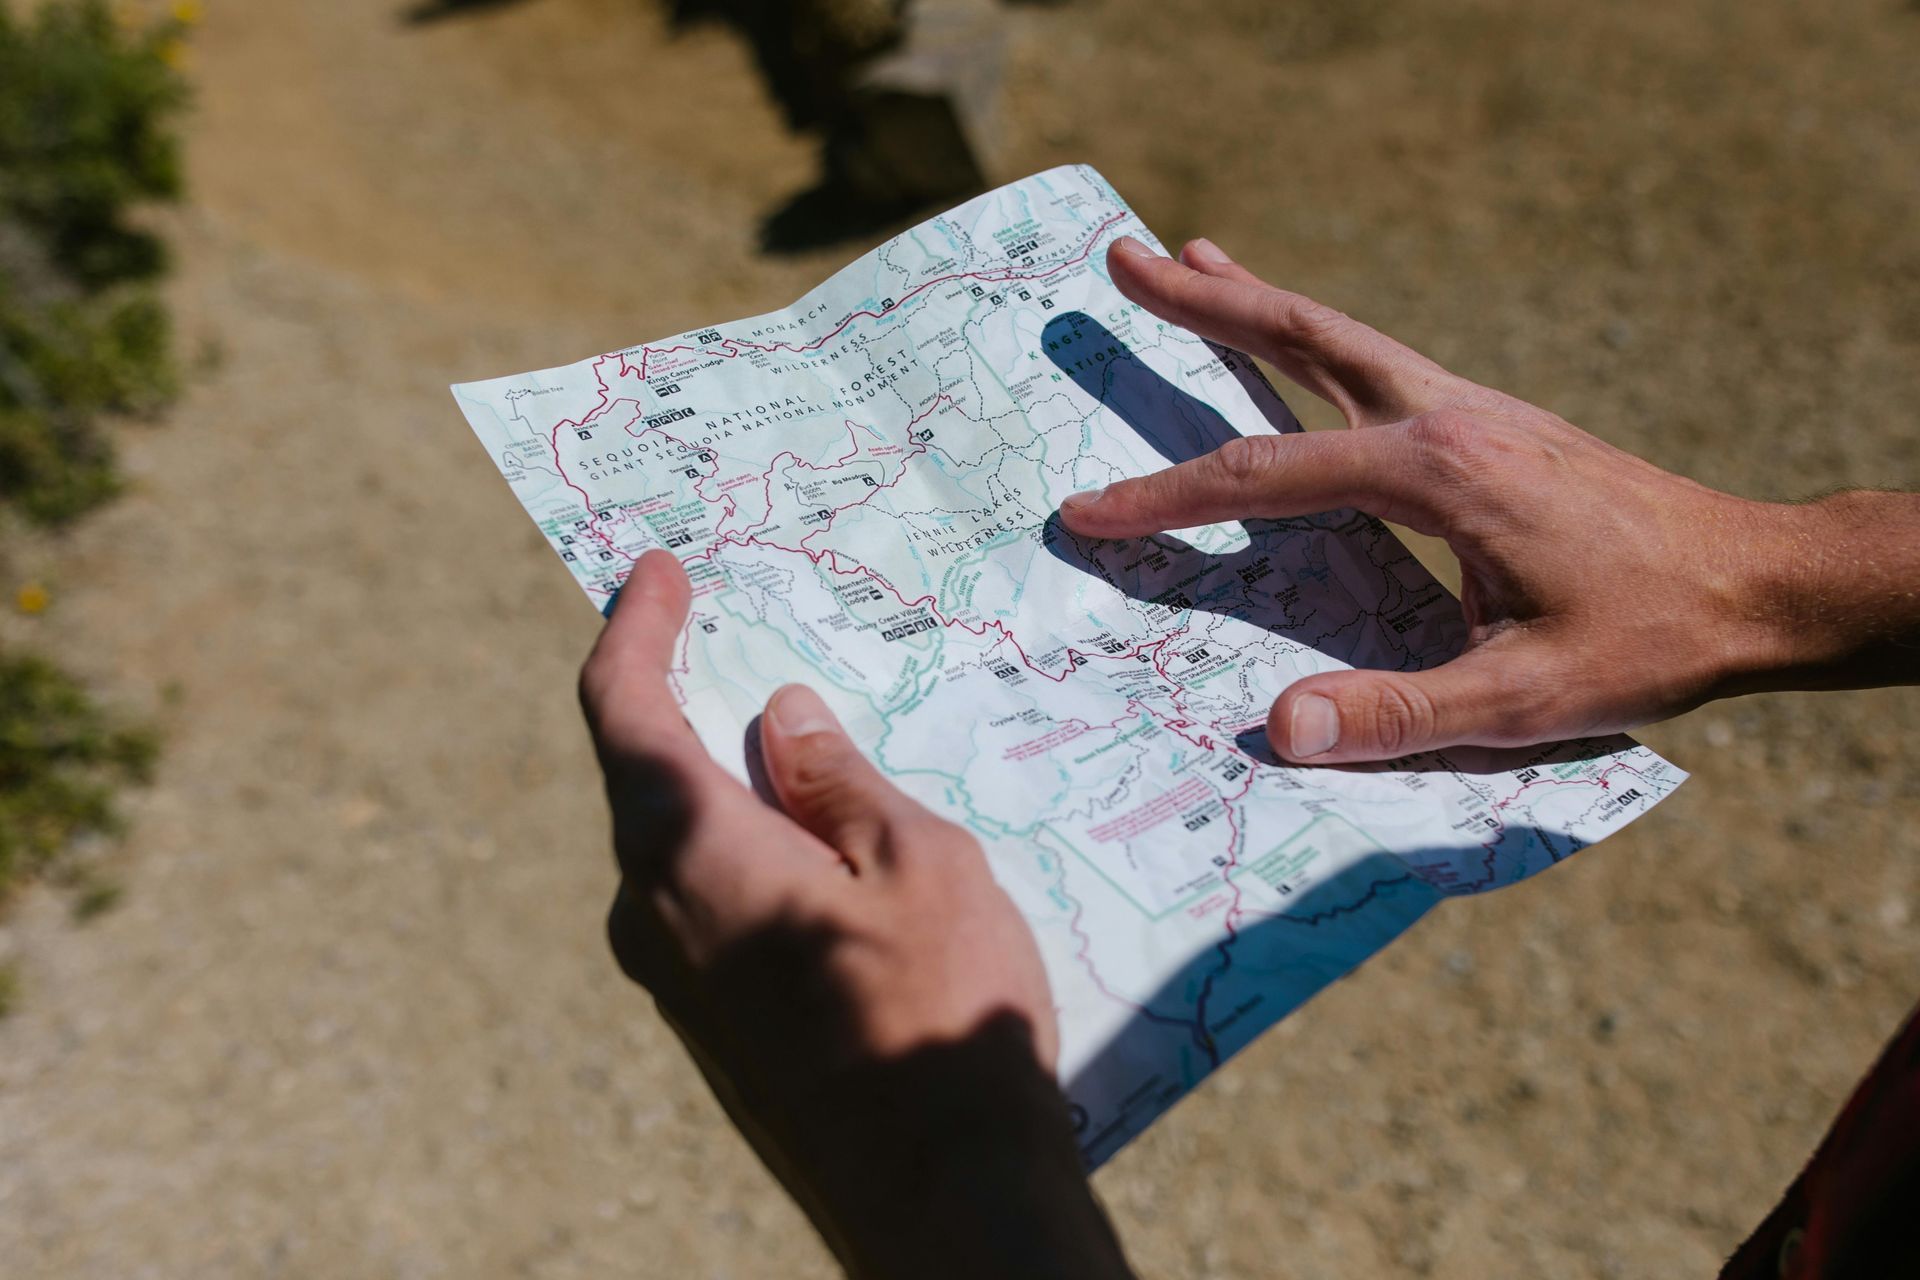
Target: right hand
<point>1601,592</point>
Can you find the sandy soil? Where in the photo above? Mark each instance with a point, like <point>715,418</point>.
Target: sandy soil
<point>356,1018</point>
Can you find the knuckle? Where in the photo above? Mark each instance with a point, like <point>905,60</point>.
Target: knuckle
<point>818,765</point>
<point>1246,461</point>
<point>615,718</point>
<point>595,678</point>
<point>1192,293</point>
<point>628,939</point>
<point>1306,321</point>
<point>654,812</point>
<point>830,783</point>
<point>1400,718</point>
<point>1450,433</point>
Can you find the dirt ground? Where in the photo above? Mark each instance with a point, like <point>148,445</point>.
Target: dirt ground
<point>355,1017</point>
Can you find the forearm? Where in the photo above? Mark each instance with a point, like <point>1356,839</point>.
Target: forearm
<point>1838,595</point>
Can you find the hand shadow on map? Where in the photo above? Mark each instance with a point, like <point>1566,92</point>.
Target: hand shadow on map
<point>1313,600</point>
<point>1338,582</point>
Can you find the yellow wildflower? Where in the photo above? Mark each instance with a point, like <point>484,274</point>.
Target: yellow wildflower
<point>187,12</point>
<point>32,598</point>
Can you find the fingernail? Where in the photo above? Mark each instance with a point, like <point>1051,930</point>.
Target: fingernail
<point>797,711</point>
<point>1209,252</point>
<point>1085,498</point>
<point>1314,727</point>
<point>1131,247</point>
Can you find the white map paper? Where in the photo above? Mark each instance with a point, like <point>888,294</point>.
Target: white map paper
<point>862,487</point>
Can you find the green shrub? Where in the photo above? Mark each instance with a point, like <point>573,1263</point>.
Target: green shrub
<point>87,111</point>
<point>61,367</point>
<point>60,758</point>
<point>86,132</point>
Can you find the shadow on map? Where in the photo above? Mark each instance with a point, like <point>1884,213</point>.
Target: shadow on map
<point>1286,576</point>
<point>1179,426</point>
<point>1226,995</point>
<point>1167,571</point>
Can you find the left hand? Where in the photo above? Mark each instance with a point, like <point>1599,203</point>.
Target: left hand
<point>864,999</point>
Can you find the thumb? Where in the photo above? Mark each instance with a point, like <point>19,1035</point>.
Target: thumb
<point>1484,698</point>
<point>826,785</point>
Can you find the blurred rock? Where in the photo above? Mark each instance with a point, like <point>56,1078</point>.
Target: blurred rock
<point>903,95</point>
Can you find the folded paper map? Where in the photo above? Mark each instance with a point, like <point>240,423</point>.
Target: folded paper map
<point>863,488</point>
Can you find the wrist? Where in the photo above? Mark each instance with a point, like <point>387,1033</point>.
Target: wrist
<point>957,1160</point>
<point>1830,597</point>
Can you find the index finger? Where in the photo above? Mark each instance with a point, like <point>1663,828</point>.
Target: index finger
<point>1368,376</point>
<point>1268,477</point>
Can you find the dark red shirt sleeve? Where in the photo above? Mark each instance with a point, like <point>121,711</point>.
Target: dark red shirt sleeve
<point>1854,1212</point>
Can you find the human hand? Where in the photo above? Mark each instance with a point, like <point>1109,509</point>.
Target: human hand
<point>863,998</point>
<point>1600,591</point>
